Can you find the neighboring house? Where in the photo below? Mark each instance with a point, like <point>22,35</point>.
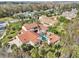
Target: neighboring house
<point>48,21</point>
<point>70,14</point>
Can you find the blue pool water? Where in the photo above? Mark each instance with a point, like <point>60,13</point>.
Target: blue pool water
<point>43,37</point>
<point>2,26</point>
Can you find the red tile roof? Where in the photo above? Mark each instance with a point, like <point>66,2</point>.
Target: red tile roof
<point>29,26</point>
<point>54,38</point>
<point>32,25</point>
<point>48,20</point>
<point>43,27</point>
<point>28,36</point>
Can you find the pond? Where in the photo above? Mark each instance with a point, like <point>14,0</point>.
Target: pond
<point>2,28</point>
<point>3,24</point>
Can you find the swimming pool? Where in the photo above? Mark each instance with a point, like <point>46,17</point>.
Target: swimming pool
<point>43,37</point>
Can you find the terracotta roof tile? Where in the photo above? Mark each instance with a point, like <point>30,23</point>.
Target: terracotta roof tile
<point>29,26</point>
<point>43,27</point>
<point>48,20</point>
<point>54,38</point>
<point>32,25</point>
<point>28,36</point>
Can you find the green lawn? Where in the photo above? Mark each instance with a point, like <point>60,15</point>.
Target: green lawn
<point>6,19</point>
<point>59,29</point>
<point>12,31</point>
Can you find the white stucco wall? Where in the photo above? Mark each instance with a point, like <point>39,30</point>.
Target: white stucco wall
<point>48,41</point>
<point>24,28</point>
<point>31,43</point>
<point>16,41</point>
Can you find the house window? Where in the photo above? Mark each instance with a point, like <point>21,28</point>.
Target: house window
<point>50,38</point>
<point>35,27</point>
<point>35,30</point>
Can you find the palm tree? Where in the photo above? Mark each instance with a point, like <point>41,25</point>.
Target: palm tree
<point>34,53</point>
<point>50,55</point>
<point>26,47</point>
